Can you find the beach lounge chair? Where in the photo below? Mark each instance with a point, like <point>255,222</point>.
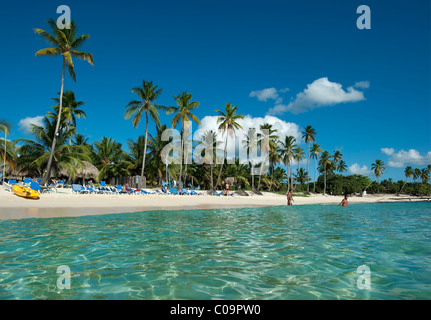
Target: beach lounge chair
<point>146,192</point>
<point>77,188</point>
<point>27,181</point>
<point>194,193</point>
<point>186,192</point>
<point>120,189</point>
<point>8,185</point>
<point>215,193</point>
<point>36,186</point>
<point>174,191</point>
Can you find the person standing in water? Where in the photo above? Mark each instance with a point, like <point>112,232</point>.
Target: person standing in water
<point>289,196</point>
<point>344,202</point>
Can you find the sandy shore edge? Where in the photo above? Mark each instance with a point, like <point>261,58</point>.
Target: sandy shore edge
<point>65,204</point>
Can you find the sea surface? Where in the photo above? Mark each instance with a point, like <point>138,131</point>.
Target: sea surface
<point>298,252</point>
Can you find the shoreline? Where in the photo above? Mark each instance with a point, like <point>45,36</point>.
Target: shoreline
<point>66,204</point>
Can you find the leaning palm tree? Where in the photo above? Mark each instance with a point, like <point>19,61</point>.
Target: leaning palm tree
<point>408,172</point>
<point>34,154</point>
<point>147,94</point>
<point>227,124</point>
<point>309,135</point>
<point>287,154</point>
<point>424,175</point>
<point>325,161</point>
<point>5,127</point>
<point>66,43</point>
<point>416,174</point>
<point>70,111</point>
<point>183,112</point>
<point>315,154</point>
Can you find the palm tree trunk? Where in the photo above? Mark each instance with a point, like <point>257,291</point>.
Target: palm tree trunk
<point>4,158</point>
<point>308,161</point>
<point>315,170</point>
<point>324,182</point>
<point>369,184</point>
<point>224,157</point>
<point>54,140</point>
<point>145,147</point>
<point>182,153</point>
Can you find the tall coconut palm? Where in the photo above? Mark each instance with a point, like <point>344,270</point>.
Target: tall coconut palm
<point>70,111</point>
<point>5,127</point>
<point>309,135</point>
<point>408,172</point>
<point>227,122</point>
<point>337,157</point>
<point>299,156</point>
<point>250,142</point>
<point>429,169</point>
<point>287,153</point>
<point>183,113</point>
<point>315,154</point>
<point>66,43</point>
<point>147,94</point>
<point>325,161</point>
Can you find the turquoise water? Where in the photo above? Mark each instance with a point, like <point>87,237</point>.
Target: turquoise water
<point>299,252</point>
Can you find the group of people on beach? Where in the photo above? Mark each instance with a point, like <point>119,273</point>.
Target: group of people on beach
<point>290,200</point>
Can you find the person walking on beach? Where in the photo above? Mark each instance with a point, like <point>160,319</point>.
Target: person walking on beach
<point>344,202</point>
<point>289,196</point>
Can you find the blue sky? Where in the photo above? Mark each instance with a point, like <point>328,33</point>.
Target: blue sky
<point>308,53</point>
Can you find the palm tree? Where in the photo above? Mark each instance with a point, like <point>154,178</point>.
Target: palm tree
<point>416,174</point>
<point>337,157</point>
<point>70,110</point>
<point>315,154</point>
<point>250,142</point>
<point>378,168</point>
<point>209,142</point>
<point>424,175</point>
<point>227,124</point>
<point>110,159</point>
<point>325,161</point>
<point>309,135</point>
<point>268,134</point>
<point>429,169</point>
<point>302,177</point>
<point>147,94</point>
<point>299,155</point>
<point>287,153</point>
<point>408,172</point>
<point>155,148</point>
<point>341,166</point>
<point>5,127</point>
<point>34,155</point>
<point>66,43</point>
<point>183,112</point>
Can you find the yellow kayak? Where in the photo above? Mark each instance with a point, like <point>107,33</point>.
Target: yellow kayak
<point>25,192</point>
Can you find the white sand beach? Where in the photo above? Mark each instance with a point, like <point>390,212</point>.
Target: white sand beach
<point>65,204</point>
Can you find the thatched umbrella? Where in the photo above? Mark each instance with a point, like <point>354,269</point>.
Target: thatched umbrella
<point>86,172</point>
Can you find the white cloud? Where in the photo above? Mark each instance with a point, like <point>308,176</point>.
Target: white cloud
<point>388,151</point>
<point>283,129</point>
<point>269,93</point>
<point>265,94</point>
<point>357,169</point>
<point>320,93</point>
<point>401,158</point>
<point>362,84</point>
<point>25,124</point>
